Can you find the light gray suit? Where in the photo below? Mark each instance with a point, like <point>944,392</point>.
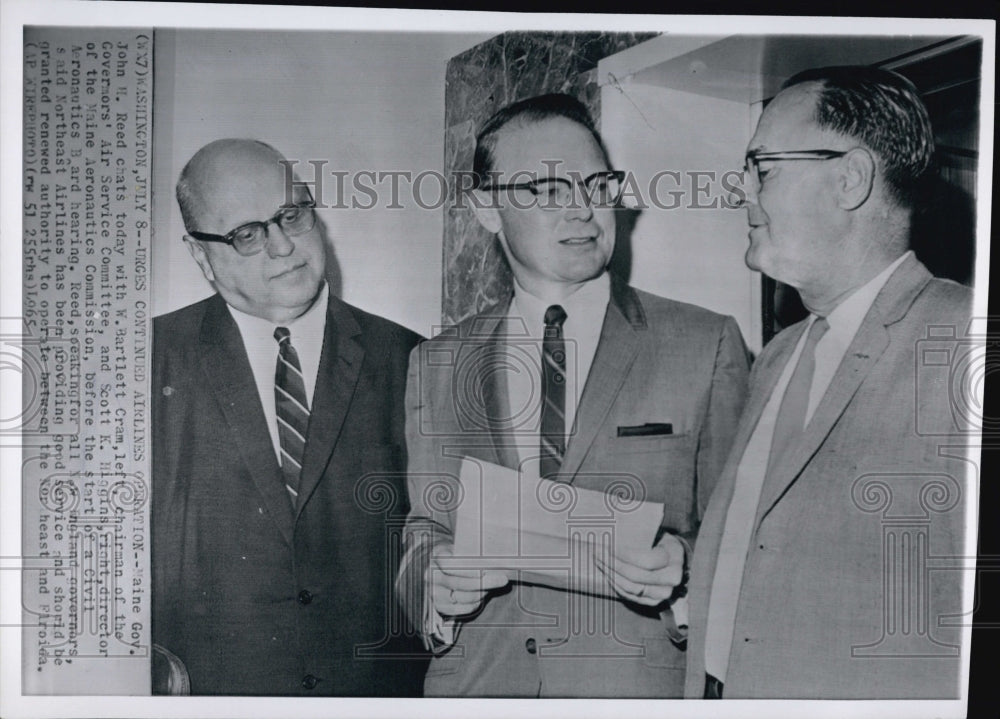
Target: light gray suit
<point>871,494</point>
<point>657,361</point>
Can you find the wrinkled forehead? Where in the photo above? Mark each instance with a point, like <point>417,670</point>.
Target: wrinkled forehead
<point>240,187</point>
<point>551,147</point>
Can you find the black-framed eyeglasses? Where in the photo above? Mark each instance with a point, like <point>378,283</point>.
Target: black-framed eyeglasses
<point>251,238</point>
<point>755,157</point>
<point>603,189</point>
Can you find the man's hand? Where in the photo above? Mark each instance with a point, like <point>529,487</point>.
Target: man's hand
<point>459,591</point>
<point>646,576</point>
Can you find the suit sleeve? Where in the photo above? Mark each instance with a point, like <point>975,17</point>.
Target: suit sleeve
<point>432,485</point>
<point>727,396</point>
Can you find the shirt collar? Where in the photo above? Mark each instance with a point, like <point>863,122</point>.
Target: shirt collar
<point>590,301</point>
<point>310,323</point>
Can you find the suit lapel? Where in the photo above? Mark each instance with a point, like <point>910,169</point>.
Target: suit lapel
<point>493,327</point>
<point>862,355</point>
<point>228,376</point>
<point>339,368</point>
<point>617,348</point>
<point>766,374</point>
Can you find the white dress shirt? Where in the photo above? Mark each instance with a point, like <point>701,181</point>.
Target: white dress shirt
<point>844,321</point>
<point>262,350</point>
<point>585,310</point>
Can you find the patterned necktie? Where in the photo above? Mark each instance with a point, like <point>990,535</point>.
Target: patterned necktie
<point>553,430</point>
<point>791,419</point>
<point>292,409</point>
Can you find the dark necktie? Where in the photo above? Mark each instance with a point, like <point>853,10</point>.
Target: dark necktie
<point>791,419</point>
<point>292,409</point>
<point>553,429</point>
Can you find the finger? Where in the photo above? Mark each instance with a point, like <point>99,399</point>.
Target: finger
<point>647,593</point>
<point>456,603</point>
<point>466,569</point>
<point>640,594</point>
<point>654,558</point>
<point>668,577</point>
<point>669,574</point>
<point>479,580</point>
<point>454,569</point>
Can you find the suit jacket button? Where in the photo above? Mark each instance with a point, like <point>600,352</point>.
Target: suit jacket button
<point>309,681</point>
<point>531,645</point>
<point>305,596</point>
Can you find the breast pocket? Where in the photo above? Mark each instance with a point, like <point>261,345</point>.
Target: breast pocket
<point>663,466</point>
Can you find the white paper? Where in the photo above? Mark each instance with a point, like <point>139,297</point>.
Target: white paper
<point>544,532</point>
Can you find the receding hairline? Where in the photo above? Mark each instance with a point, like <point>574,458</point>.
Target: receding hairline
<point>200,169</point>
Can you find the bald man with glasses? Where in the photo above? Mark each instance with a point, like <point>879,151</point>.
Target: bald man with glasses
<point>278,453</point>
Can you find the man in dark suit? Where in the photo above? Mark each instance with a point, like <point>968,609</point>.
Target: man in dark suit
<point>636,391</point>
<point>814,572</point>
<point>278,447</point>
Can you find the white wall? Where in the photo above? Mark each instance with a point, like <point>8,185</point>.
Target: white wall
<point>360,101</point>
<point>686,253</point>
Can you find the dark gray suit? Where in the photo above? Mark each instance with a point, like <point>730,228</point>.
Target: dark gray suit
<point>253,596</point>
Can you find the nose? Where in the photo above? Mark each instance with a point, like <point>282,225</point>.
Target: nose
<point>751,202</point>
<point>579,205</point>
<point>278,243</point>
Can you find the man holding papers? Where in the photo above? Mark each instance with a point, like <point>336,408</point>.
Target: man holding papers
<point>574,388</point>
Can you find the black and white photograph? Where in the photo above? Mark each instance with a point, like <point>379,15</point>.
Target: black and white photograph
<point>370,362</point>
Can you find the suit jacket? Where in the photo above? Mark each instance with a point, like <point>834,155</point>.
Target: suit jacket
<point>253,596</point>
<point>656,361</point>
<point>837,601</point>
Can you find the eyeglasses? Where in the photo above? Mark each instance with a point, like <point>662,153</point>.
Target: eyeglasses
<point>754,158</point>
<point>251,238</point>
<point>603,189</point>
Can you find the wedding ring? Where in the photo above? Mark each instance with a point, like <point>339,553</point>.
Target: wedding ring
<point>451,595</point>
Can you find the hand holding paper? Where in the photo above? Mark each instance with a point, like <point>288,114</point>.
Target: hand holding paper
<point>646,576</point>
<point>542,532</point>
<point>456,591</point>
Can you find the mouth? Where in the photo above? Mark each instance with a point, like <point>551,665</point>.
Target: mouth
<point>290,271</point>
<point>576,241</point>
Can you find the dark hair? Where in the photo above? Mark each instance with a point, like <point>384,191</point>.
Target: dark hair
<point>533,109</point>
<point>882,110</point>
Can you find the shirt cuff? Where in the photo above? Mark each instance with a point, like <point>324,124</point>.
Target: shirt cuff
<point>675,615</point>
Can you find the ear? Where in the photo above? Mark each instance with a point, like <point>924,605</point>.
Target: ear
<point>484,204</point>
<point>857,177</point>
<point>200,256</point>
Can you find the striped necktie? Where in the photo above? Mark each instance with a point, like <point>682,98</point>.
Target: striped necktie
<point>553,429</point>
<point>292,409</point>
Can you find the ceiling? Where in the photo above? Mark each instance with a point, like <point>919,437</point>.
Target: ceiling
<point>750,68</point>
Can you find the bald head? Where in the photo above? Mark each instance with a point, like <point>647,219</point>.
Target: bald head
<point>216,167</point>
<point>230,184</point>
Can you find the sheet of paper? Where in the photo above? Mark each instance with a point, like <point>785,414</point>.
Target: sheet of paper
<point>544,532</point>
